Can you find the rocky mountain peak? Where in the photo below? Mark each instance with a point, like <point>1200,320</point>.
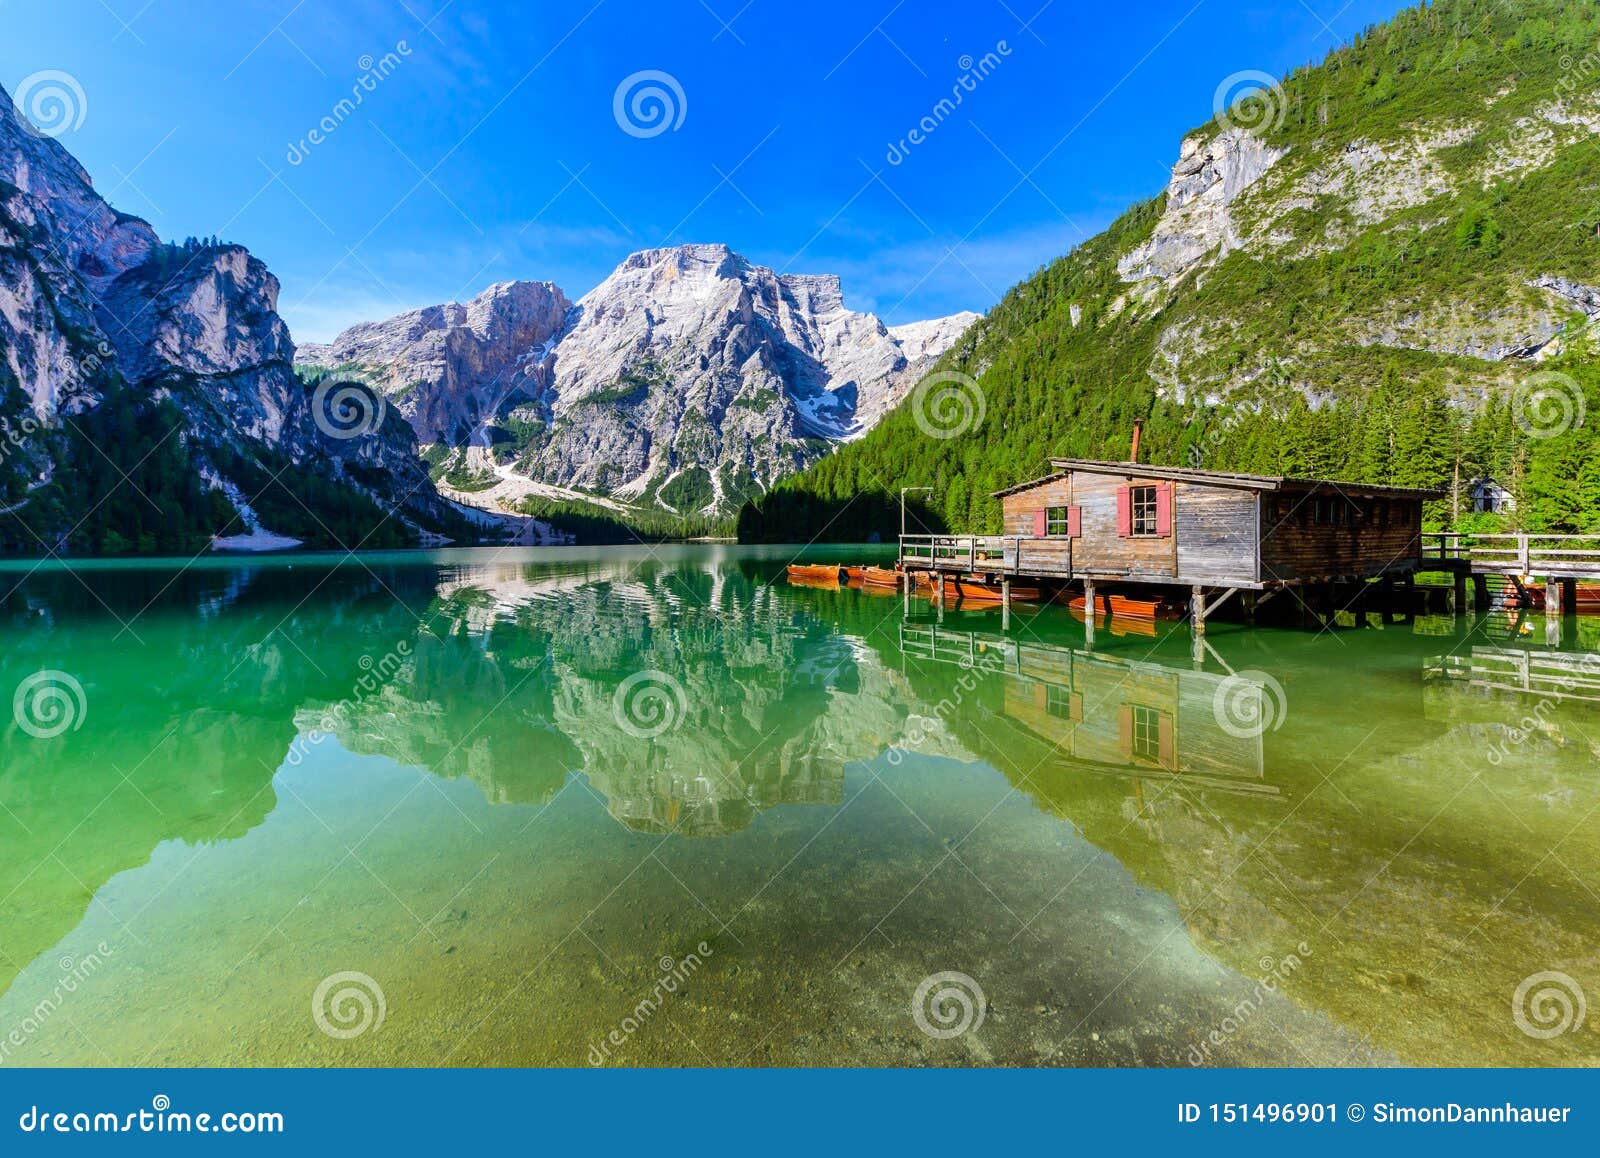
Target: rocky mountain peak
<point>1211,173</point>
<point>98,314</point>
<point>687,379</point>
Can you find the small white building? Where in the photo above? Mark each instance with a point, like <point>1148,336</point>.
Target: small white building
<point>1486,496</point>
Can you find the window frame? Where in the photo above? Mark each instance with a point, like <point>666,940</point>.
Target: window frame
<point>1145,738</point>
<point>1141,515</point>
<point>1058,522</point>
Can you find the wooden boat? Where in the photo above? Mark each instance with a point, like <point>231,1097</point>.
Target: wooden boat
<point>1118,624</point>
<point>973,591</point>
<point>818,574</point>
<point>1587,601</point>
<point>883,577</point>
<point>1125,607</point>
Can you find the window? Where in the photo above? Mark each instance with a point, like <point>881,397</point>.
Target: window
<point>1055,522</point>
<point>1146,733</point>
<point>1058,702</point>
<point>1142,504</point>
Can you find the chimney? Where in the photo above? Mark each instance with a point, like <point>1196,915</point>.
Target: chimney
<point>1133,451</point>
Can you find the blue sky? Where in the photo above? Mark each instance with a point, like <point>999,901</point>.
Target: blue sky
<point>486,145</point>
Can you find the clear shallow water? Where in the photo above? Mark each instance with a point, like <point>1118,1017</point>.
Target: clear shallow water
<point>505,787</point>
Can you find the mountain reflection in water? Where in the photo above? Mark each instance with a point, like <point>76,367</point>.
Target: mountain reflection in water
<point>506,785</point>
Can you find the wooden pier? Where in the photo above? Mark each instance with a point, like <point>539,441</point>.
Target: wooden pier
<point>1205,537</point>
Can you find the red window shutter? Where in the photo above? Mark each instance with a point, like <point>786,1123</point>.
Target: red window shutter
<point>1074,522</point>
<point>1038,524</point>
<point>1168,748</point>
<point>1164,510</point>
<point>1124,511</point>
<point>1125,729</point>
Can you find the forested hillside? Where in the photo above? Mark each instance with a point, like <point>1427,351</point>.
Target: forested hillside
<point>1380,270</point>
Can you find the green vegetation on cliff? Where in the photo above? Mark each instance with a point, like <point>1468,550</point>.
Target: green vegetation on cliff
<point>1364,310</point>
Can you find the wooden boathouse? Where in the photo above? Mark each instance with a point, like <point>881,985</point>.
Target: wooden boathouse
<point>1215,533</point>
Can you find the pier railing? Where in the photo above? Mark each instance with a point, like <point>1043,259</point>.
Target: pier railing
<point>1011,554</point>
<point>1550,675</point>
<point>1560,556</point>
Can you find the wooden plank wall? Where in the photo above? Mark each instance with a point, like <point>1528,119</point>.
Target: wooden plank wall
<point>1018,508</point>
<point>1292,548</point>
<point>1099,691</point>
<point>1213,539</point>
<point>1216,532</point>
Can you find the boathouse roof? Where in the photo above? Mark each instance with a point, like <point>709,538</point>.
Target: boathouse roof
<point>1218,478</point>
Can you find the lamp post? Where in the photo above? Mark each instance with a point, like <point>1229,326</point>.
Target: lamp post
<point>904,491</point>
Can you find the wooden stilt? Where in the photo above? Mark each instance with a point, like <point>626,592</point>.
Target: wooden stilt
<point>1197,611</point>
<point>1005,603</point>
<point>1569,598</point>
<point>1459,595</point>
<point>1552,612</point>
<point>1090,613</point>
<point>940,596</point>
<point>1480,593</point>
